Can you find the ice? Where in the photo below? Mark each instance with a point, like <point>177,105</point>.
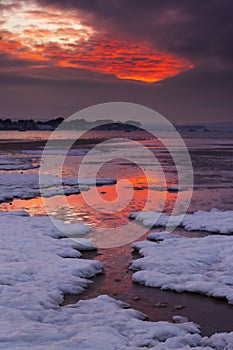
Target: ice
<point>26,186</point>
<point>16,163</point>
<point>216,221</point>
<point>200,265</point>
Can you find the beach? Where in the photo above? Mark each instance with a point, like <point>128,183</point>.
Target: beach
<point>108,271</point>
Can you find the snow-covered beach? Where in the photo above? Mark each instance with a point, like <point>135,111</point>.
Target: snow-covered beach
<point>39,266</point>
<point>37,269</point>
<point>116,168</point>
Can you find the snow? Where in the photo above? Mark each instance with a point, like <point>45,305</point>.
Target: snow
<point>89,181</point>
<point>15,213</point>
<point>216,221</point>
<point>16,163</point>
<point>84,243</point>
<point>97,324</point>
<point>37,266</point>
<point>60,191</point>
<point>160,236</point>
<point>70,152</point>
<point>26,186</point>
<point>71,229</point>
<point>179,319</point>
<point>199,265</point>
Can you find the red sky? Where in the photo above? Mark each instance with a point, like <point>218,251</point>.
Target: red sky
<point>59,56</point>
<point>58,38</point>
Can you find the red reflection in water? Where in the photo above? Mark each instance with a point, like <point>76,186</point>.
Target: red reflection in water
<point>80,210</point>
<point>156,199</point>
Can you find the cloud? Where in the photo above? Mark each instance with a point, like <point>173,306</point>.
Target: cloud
<point>59,38</point>
<point>193,29</point>
<point>53,80</point>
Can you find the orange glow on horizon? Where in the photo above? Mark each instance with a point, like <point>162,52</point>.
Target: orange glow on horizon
<point>55,38</point>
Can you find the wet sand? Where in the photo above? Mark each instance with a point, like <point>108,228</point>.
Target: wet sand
<point>15,145</point>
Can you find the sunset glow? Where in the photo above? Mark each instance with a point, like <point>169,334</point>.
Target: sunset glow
<point>33,26</point>
<point>59,38</point>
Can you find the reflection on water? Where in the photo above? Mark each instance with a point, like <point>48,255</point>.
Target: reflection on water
<point>213,169</point>
<point>211,314</point>
<point>212,160</point>
<point>79,210</point>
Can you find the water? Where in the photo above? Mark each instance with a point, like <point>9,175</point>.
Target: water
<point>212,158</point>
<point>213,315</point>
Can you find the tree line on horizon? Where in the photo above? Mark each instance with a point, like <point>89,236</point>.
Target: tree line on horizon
<point>78,124</point>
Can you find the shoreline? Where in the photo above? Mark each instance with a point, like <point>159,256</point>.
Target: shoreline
<point>213,315</point>
<point>11,145</point>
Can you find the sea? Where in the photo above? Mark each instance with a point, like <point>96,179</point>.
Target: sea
<point>143,177</point>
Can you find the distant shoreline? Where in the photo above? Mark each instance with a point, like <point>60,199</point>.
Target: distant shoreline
<point>78,124</point>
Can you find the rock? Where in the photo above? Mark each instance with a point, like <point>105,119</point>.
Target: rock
<point>178,307</point>
<point>117,279</point>
<point>162,304</point>
<point>179,319</point>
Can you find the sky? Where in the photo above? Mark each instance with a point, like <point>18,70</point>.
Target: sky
<point>175,56</point>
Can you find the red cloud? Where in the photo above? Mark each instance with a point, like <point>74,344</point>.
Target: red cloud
<point>125,60</point>
<point>122,59</point>
<point>64,41</point>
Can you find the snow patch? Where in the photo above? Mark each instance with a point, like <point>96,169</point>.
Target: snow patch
<point>97,324</point>
<point>26,186</point>
<point>216,221</point>
<point>72,229</point>
<point>63,152</point>
<point>16,163</point>
<point>160,236</point>
<point>199,265</point>
<point>36,268</point>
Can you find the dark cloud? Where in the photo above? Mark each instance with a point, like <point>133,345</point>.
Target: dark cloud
<point>200,30</point>
<point>196,96</point>
<point>8,61</point>
<point>195,29</point>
